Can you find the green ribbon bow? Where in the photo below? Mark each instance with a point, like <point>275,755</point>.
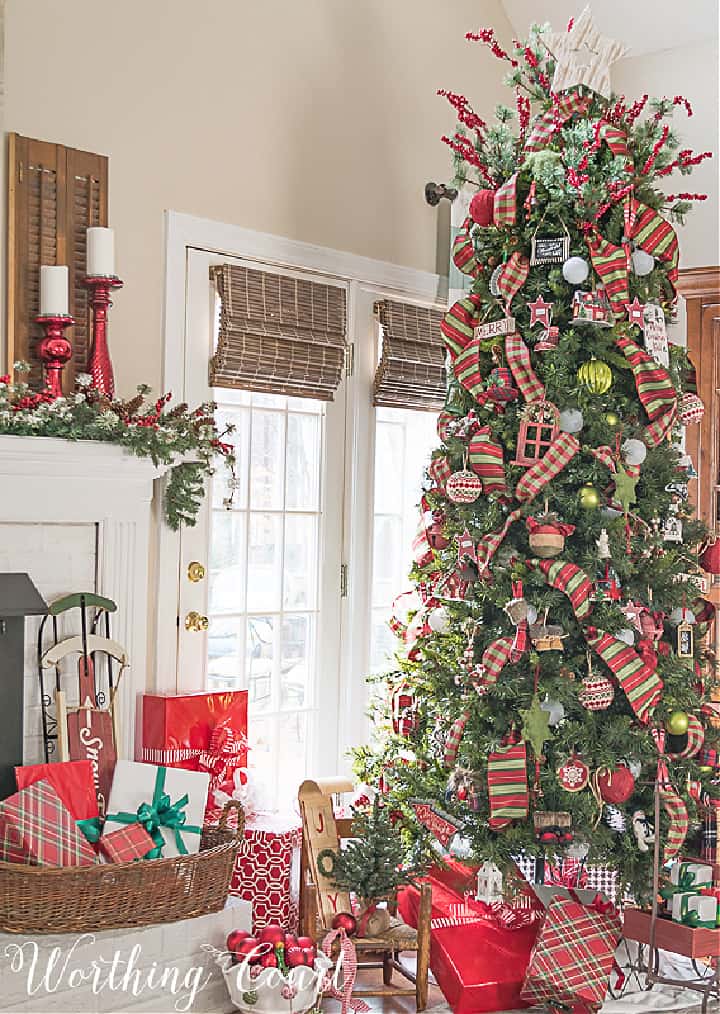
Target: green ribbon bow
<point>91,828</point>
<point>693,920</point>
<point>685,885</point>
<point>160,813</point>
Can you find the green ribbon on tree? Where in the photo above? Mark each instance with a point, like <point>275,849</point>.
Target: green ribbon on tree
<point>160,813</point>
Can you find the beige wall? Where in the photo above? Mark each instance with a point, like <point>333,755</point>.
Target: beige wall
<point>691,71</point>
<point>313,119</point>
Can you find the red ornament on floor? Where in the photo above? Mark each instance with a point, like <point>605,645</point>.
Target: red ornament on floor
<point>346,921</point>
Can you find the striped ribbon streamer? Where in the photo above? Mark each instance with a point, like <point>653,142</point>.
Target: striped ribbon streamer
<point>604,454</point>
<point>505,203</point>
<point>467,369</point>
<point>513,276</point>
<point>498,653</point>
<point>518,359</point>
<point>610,264</point>
<point>614,138</point>
<point>485,458</point>
<point>677,813</point>
<point>463,251</point>
<point>560,452</point>
<point>654,387</point>
<point>454,739</point>
<point>459,323</point>
<point>547,123</point>
<point>695,739</point>
<point>440,471</point>
<point>640,682</point>
<point>570,580</point>
<point>489,544</point>
<point>507,785</point>
<point>653,234</point>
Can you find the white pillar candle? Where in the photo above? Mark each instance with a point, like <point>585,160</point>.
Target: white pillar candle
<point>100,252</point>
<point>54,291</point>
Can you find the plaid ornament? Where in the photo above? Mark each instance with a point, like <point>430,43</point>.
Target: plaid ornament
<point>513,276</point>
<point>452,743</point>
<point>518,358</point>
<point>610,264</point>
<point>654,387</point>
<point>638,677</point>
<point>560,452</point>
<point>485,458</point>
<point>545,125</point>
<point>569,579</point>
<point>463,252</point>
<point>459,323</point>
<point>507,785</point>
<point>574,954</point>
<point>489,544</point>
<point>439,471</point>
<point>505,203</point>
<point>677,813</point>
<point>126,844</point>
<point>653,234</point>
<point>467,369</point>
<point>36,829</point>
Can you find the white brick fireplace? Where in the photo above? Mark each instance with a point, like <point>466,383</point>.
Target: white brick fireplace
<point>76,516</point>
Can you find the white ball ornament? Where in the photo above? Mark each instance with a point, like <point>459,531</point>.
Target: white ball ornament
<point>571,420</point>
<point>627,636</point>
<point>681,614</point>
<point>439,620</point>
<point>634,451</point>
<point>642,263</point>
<point>575,270</point>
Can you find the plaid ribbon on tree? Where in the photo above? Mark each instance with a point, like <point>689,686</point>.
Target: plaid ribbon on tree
<point>653,234</point>
<point>638,678</point>
<point>498,653</point>
<point>489,544</point>
<point>459,323</point>
<point>505,203</point>
<point>574,955</point>
<point>518,359</point>
<point>606,455</point>
<point>548,122</point>
<point>677,813</point>
<point>467,369</point>
<point>452,743</point>
<point>507,785</point>
<point>560,452</point>
<point>654,387</point>
<point>463,253</point>
<point>439,471</point>
<point>513,276</point>
<point>570,580</point>
<point>485,458</point>
<point>610,264</point>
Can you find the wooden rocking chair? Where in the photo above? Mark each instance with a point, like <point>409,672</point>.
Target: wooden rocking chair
<point>319,903</point>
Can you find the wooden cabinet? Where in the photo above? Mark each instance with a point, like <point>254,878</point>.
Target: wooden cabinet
<point>701,289</point>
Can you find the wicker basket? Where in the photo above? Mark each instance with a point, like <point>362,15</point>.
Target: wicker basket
<point>73,899</point>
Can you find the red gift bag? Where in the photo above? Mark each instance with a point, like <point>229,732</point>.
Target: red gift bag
<point>267,871</point>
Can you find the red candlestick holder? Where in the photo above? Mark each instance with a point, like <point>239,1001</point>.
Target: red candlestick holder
<point>54,350</point>
<point>99,364</point>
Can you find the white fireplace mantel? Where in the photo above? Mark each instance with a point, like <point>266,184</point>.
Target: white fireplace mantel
<point>45,481</point>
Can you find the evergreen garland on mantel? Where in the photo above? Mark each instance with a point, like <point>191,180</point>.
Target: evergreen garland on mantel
<point>188,441</point>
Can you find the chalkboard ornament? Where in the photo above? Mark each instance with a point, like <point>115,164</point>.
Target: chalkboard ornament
<point>549,249</point>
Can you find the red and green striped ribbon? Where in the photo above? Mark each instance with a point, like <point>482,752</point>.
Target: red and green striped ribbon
<point>439,471</point>
<point>654,387</point>
<point>518,359</point>
<point>467,369</point>
<point>459,323</point>
<point>505,203</point>
<point>677,813</point>
<point>653,234</point>
<point>507,785</point>
<point>570,580</point>
<point>560,453</point>
<point>614,138</point>
<point>485,458</point>
<point>452,743</point>
<point>606,455</point>
<point>544,125</point>
<point>610,264</point>
<point>513,276</point>
<point>463,254</point>
<point>489,544</point>
<point>639,679</point>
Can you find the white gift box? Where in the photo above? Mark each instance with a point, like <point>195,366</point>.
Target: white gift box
<point>703,904</point>
<point>157,794</point>
<point>701,874</point>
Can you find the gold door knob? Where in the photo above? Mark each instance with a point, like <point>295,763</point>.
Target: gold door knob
<point>196,571</point>
<point>195,622</point>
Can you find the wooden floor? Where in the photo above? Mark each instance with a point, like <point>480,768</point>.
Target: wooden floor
<point>401,1005</point>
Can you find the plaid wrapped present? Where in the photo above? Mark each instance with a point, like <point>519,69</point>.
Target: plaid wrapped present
<point>36,829</point>
<point>126,844</point>
<point>574,954</point>
<point>709,843</point>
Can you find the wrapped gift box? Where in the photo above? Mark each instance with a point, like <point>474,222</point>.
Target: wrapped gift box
<point>168,802</point>
<point>36,829</point>
<point>127,844</point>
<point>267,871</point>
<point>478,963</point>
<point>72,780</point>
<point>690,875</point>
<point>695,910</point>
<point>176,730</point>
<point>573,955</point>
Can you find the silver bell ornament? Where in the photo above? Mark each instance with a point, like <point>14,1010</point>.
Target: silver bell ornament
<point>634,451</point>
<point>575,270</point>
<point>642,263</point>
<point>571,420</point>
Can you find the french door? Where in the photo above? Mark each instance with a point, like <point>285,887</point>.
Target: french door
<point>258,604</point>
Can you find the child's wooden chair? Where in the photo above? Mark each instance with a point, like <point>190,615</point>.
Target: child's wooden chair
<point>320,902</point>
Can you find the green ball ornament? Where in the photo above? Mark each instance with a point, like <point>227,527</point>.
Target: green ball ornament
<point>596,376</point>
<point>612,419</point>
<point>677,723</point>
<point>589,497</point>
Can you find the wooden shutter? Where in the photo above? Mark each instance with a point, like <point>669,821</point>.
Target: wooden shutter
<point>411,372</point>
<point>54,194</point>
<point>278,334</point>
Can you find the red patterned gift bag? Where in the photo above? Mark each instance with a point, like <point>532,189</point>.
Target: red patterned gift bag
<point>267,872</point>
<point>574,955</point>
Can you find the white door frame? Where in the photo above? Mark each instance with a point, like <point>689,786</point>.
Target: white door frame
<point>184,232</point>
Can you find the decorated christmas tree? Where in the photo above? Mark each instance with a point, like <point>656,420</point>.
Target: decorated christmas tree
<point>551,649</point>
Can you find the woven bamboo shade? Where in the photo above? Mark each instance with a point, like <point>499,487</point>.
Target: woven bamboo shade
<point>411,372</point>
<point>278,334</point>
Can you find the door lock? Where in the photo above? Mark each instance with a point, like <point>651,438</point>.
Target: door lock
<point>196,622</point>
<point>195,571</point>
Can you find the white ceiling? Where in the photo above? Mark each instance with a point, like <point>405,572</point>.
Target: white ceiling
<point>645,26</point>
